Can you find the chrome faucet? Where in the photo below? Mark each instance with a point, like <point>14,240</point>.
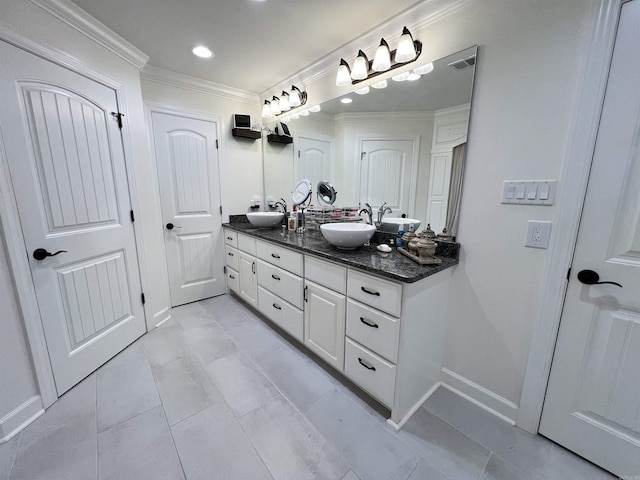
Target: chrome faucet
<point>369,212</point>
<point>282,202</point>
<point>381,211</point>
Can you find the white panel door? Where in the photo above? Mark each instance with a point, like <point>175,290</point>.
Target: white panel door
<point>592,404</point>
<point>68,171</point>
<point>439,183</point>
<point>189,178</point>
<point>313,160</point>
<point>385,174</point>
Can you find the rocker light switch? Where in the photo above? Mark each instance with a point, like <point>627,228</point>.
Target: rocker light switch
<point>529,192</point>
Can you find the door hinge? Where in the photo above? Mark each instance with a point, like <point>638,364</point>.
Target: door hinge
<point>217,146</point>
<point>220,209</point>
<point>224,269</point>
<point>118,116</point>
<point>133,219</point>
<point>298,153</point>
<point>143,299</point>
<point>568,274</point>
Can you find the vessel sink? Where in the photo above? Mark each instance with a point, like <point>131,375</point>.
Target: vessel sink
<point>347,236</point>
<point>391,224</point>
<point>265,219</point>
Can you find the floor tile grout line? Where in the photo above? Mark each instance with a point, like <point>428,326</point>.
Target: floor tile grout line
<point>15,455</point>
<point>253,446</point>
<point>484,469</point>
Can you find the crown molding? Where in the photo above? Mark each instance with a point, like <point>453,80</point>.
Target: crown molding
<point>327,64</point>
<point>342,118</point>
<point>458,109</point>
<point>194,84</point>
<point>84,23</point>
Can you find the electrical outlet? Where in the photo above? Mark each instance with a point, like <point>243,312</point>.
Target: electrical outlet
<point>538,234</point>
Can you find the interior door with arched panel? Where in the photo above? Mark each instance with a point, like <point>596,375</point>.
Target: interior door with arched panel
<point>189,179</point>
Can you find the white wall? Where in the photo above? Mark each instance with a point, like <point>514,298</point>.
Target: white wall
<point>527,76</point>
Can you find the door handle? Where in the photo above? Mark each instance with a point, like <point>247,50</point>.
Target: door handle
<point>41,253</point>
<point>171,226</point>
<point>589,277</point>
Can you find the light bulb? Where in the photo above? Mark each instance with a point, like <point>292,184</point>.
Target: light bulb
<point>266,109</point>
<point>382,84</point>
<point>424,69</point>
<point>382,60</point>
<point>360,67</point>
<point>363,91</point>
<point>343,77</point>
<point>406,50</point>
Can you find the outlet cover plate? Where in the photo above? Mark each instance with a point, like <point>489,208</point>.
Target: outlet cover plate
<point>538,233</point>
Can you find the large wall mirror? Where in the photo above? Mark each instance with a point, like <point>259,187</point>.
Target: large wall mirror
<point>403,145</point>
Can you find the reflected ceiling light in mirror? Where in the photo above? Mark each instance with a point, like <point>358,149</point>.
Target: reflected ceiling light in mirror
<point>360,67</point>
<point>424,69</point>
<point>382,60</point>
<point>275,106</point>
<point>288,101</point>
<point>379,85</point>
<point>284,102</point>
<point>285,119</point>
<point>401,78</point>
<point>201,51</point>
<point>413,77</point>
<point>346,100</point>
<point>363,91</point>
<point>266,109</point>
<point>315,109</point>
<point>304,113</point>
<point>295,116</point>
<point>406,50</point>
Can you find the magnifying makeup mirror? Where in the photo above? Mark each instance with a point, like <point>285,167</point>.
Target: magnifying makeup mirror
<point>301,192</point>
<point>326,193</point>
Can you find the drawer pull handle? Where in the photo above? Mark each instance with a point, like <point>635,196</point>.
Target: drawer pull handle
<point>304,294</point>
<point>253,268</point>
<point>370,292</point>
<point>275,277</point>
<point>366,365</point>
<point>230,254</point>
<point>274,255</point>
<point>230,238</point>
<point>277,307</point>
<point>372,325</point>
<point>232,277</point>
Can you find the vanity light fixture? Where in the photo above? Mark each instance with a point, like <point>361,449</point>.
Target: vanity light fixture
<point>201,51</point>
<point>384,60</point>
<point>286,102</point>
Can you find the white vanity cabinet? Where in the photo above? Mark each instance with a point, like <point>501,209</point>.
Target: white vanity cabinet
<point>280,287</point>
<point>240,251</point>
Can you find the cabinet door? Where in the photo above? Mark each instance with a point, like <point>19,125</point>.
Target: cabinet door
<point>324,323</point>
<point>248,279</point>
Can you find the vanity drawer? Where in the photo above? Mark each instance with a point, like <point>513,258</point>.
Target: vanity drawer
<point>327,274</point>
<point>371,372</point>
<point>376,292</point>
<point>231,257</point>
<point>281,257</point>
<point>247,244</point>
<point>233,280</point>
<point>281,313</point>
<point>230,238</point>
<point>280,282</point>
<point>373,329</point>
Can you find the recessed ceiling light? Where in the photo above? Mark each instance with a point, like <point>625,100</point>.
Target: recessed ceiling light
<point>201,51</point>
<point>346,100</point>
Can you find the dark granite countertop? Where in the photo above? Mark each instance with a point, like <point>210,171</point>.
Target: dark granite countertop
<point>392,265</point>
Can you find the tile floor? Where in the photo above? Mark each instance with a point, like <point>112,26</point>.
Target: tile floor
<point>215,393</point>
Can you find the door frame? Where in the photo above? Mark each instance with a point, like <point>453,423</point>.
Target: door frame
<point>156,107</point>
<point>415,160</point>
<point>10,220</point>
<point>571,197</point>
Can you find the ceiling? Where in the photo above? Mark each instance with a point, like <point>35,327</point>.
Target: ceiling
<point>256,43</point>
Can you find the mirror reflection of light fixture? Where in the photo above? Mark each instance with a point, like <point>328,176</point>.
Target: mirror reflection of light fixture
<point>363,91</point>
<point>284,102</point>
<point>424,69</point>
<point>315,109</point>
<point>384,60</point>
<point>360,68</point>
<point>287,101</point>
<point>401,78</point>
<point>266,109</point>
<point>381,84</point>
<point>304,113</point>
<point>413,77</point>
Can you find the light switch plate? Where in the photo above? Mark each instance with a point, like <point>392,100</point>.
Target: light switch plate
<point>529,192</point>
<point>538,233</point>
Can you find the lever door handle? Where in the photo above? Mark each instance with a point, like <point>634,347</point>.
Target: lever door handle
<point>589,277</point>
<point>41,253</point>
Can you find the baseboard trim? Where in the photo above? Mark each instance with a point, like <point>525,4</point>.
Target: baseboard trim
<point>161,316</point>
<point>480,396</point>
<point>19,418</point>
<point>414,409</point>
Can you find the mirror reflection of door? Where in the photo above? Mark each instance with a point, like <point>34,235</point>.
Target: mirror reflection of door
<point>387,173</point>
<point>313,159</point>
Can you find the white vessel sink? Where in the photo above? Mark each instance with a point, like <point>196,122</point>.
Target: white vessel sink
<point>347,236</point>
<point>265,219</point>
<point>391,224</point>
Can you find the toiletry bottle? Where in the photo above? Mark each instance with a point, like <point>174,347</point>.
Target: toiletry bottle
<point>399,236</point>
<point>293,221</point>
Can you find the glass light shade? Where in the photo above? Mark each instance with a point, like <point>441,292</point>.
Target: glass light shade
<point>315,109</point>
<point>304,113</point>
<point>401,77</point>
<point>363,91</point>
<point>343,77</point>
<point>266,109</point>
<point>360,68</point>
<point>382,84</point>
<point>412,77</point>
<point>406,50</point>
<point>382,60</point>
<point>275,105</point>
<point>284,102</point>
<point>424,69</point>
<point>294,97</point>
